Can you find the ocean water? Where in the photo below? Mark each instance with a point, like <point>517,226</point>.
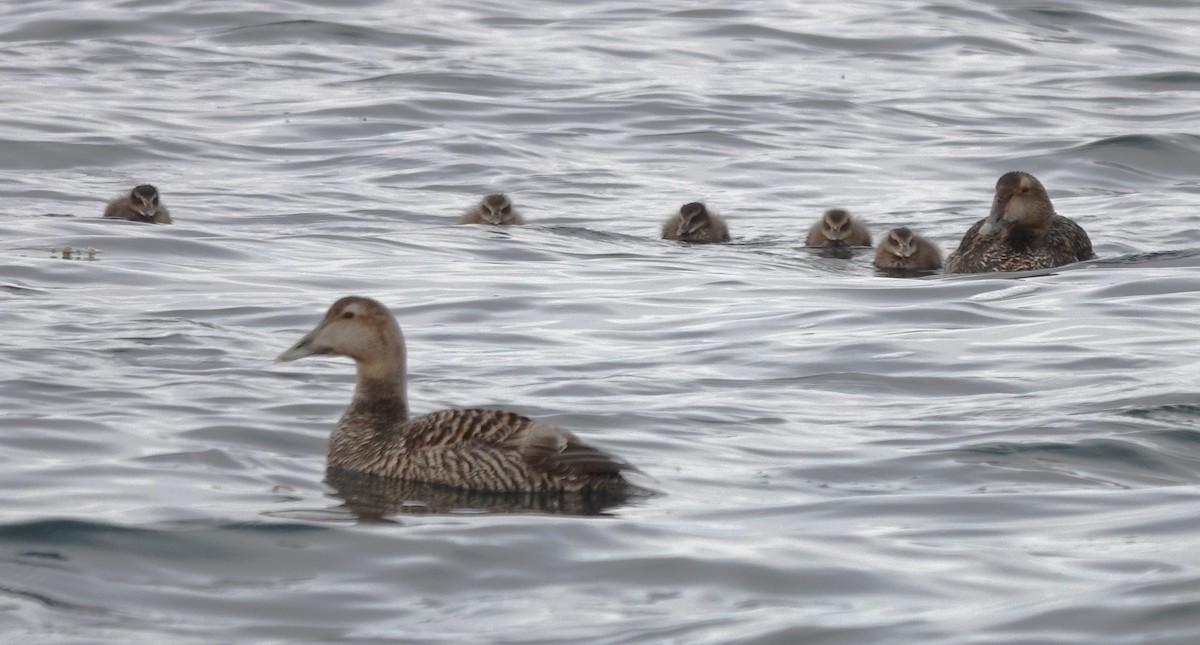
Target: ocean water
<point>839,456</point>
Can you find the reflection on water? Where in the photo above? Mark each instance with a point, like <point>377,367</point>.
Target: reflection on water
<point>373,498</point>
<point>844,458</point>
<point>906,273</point>
<point>838,252</point>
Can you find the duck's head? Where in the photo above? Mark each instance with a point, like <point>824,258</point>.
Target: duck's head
<point>835,224</point>
<point>1020,205</point>
<point>900,243</point>
<point>144,200</point>
<point>358,327</point>
<point>496,209</point>
<point>692,217</point>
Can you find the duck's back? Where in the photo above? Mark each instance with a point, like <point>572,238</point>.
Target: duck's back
<point>927,257</point>
<point>121,208</point>
<point>1065,242</point>
<point>473,216</point>
<point>715,231</point>
<point>858,236</point>
<point>478,449</point>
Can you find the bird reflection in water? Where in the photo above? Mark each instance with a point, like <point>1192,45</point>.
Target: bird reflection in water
<point>374,498</point>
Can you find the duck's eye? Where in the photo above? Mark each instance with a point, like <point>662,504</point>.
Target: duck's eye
<point>348,315</point>
<point>506,209</point>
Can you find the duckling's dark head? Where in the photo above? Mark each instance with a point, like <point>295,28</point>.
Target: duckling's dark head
<point>900,243</point>
<point>835,224</point>
<point>693,216</point>
<point>358,327</point>
<point>496,209</point>
<point>144,200</point>
<point>1020,208</point>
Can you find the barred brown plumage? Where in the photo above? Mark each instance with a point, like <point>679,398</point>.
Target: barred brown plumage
<point>477,449</point>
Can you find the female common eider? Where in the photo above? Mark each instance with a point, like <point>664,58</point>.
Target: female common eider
<point>494,209</point>
<point>140,205</point>
<point>903,250</point>
<point>1021,233</point>
<point>837,228</point>
<point>694,223</point>
<point>475,449</point>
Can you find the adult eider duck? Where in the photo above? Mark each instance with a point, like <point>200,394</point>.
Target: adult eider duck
<point>903,250</point>
<point>141,204</point>
<point>475,449</point>
<point>837,228</point>
<point>695,223</point>
<point>494,209</point>
<point>1021,233</point>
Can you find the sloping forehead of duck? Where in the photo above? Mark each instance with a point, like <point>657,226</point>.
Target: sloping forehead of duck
<point>353,305</point>
<point>496,201</point>
<point>1014,181</point>
<point>836,216</point>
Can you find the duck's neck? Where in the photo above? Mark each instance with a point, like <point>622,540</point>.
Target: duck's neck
<point>382,388</point>
<point>368,429</point>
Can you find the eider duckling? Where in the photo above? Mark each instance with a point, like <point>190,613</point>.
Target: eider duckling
<point>494,209</point>
<point>475,449</point>
<point>837,228</point>
<point>695,223</point>
<point>1021,233</point>
<point>903,250</point>
<point>140,205</point>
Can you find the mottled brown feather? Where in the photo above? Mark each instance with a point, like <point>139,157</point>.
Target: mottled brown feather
<point>1040,239</point>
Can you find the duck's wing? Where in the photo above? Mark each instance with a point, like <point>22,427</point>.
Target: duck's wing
<point>861,236</point>
<point>116,208</point>
<point>541,447</point>
<point>1077,238</point>
<point>814,236</point>
<point>670,227</point>
<point>968,239</point>
<point>959,260</point>
<point>554,450</point>
<point>461,428</point>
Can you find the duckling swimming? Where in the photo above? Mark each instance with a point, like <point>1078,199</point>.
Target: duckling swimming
<point>695,223</point>
<point>903,250</point>
<point>494,209</point>
<point>1021,233</point>
<point>140,205</point>
<point>487,450</point>
<point>837,228</point>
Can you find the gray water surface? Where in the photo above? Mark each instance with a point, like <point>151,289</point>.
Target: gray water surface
<point>839,456</point>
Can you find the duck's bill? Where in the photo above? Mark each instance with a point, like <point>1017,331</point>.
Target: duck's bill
<point>305,347</point>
